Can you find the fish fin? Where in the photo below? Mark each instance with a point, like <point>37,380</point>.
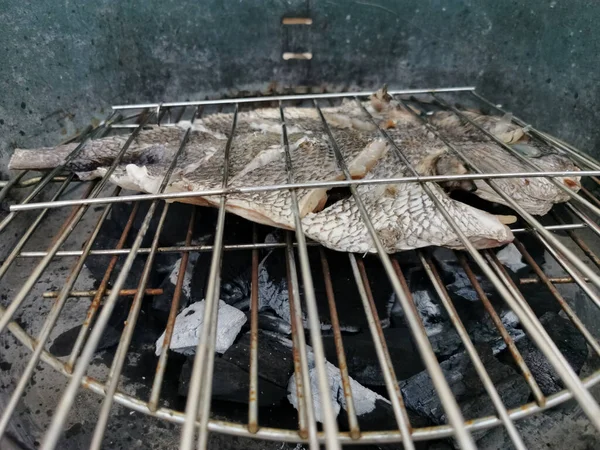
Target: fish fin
<point>427,166</point>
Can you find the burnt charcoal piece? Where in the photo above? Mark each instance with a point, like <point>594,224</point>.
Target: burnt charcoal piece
<point>270,322</point>
<point>236,268</point>
<point>231,378</point>
<point>163,301</point>
<point>362,361</point>
<point>420,396</point>
<point>275,361</point>
<point>231,383</point>
<point>63,344</point>
<point>570,343</point>
<point>273,288</point>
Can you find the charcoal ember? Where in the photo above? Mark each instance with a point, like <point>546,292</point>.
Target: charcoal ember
<point>231,383</point>
<point>420,395</point>
<point>570,342</point>
<point>361,357</point>
<point>231,378</point>
<point>273,289</point>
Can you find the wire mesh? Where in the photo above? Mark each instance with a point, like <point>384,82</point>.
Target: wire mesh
<point>195,419</point>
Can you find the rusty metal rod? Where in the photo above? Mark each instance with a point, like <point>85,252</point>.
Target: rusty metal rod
<point>93,293</point>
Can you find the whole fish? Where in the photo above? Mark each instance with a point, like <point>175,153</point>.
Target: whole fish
<point>403,214</point>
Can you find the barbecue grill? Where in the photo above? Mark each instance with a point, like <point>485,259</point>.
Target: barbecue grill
<point>574,253</point>
<point>91,275</point>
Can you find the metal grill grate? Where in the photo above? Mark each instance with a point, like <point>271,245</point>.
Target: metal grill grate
<point>195,420</point>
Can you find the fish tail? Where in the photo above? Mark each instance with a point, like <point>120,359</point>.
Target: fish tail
<point>40,158</point>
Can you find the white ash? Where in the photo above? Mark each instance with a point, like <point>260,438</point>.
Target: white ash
<point>429,311</point>
<point>364,398</point>
<point>186,287</point>
<point>189,323</point>
<point>511,258</point>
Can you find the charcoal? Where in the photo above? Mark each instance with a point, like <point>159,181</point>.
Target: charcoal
<point>270,322</point>
<point>275,366</point>
<point>275,360</point>
<point>569,341</point>
<point>231,383</point>
<point>63,343</point>
<point>235,276</point>
<point>361,358</point>
<point>273,292</point>
<point>420,396</point>
<point>163,301</point>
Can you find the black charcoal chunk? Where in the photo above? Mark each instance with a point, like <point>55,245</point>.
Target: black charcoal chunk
<point>570,343</point>
<point>361,357</point>
<point>420,395</point>
<point>63,344</point>
<point>231,383</point>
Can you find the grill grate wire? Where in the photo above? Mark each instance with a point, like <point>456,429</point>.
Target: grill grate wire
<point>195,419</point>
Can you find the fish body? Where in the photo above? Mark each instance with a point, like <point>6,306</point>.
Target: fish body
<point>403,214</point>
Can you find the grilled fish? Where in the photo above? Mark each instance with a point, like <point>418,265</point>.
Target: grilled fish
<point>430,155</point>
<point>403,214</point>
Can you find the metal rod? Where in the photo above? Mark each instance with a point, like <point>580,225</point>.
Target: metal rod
<point>383,355</point>
<point>329,422</point>
<point>538,395</point>
<point>56,426</point>
<point>232,247</point>
<point>93,292</point>
<point>582,245</point>
<point>161,366</point>
<point>202,371</point>
<point>306,410</point>
<point>553,280</point>
<point>7,186</point>
<point>487,382</point>
<point>290,97</point>
<point>121,353</point>
<point>303,185</point>
<point>127,335</point>
<point>585,287</point>
<point>253,382</point>
<point>339,348</point>
<point>29,232</point>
